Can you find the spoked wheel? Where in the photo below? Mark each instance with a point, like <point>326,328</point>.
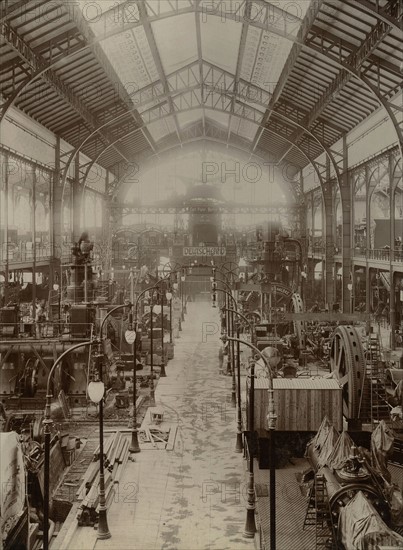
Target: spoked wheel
<point>230,269</point>
<point>347,362</point>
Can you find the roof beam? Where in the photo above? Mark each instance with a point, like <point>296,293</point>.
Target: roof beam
<point>200,59</point>
<point>157,59</point>
<point>241,51</point>
<point>38,63</point>
<point>9,10</point>
<point>390,13</point>
<point>82,25</point>
<point>290,63</point>
<point>355,60</point>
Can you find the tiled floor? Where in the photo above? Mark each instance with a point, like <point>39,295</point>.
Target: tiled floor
<point>193,497</point>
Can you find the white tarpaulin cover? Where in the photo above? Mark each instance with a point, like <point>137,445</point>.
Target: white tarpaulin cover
<point>12,479</point>
<point>341,451</point>
<point>361,527</point>
<point>321,434</point>
<point>328,446</point>
<point>382,439</point>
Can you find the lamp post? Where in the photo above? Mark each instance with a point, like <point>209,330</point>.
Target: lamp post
<point>152,390</point>
<point>162,371</point>
<point>96,392</point>
<point>250,524</point>
<point>183,278</point>
<point>229,317</point>
<point>250,527</point>
<point>47,422</point>
<point>132,336</point>
<point>230,331</point>
<point>239,445</point>
<point>56,288</point>
<point>169,296</point>
<point>350,288</point>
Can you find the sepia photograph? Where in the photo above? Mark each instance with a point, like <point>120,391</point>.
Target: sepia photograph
<point>201,274</point>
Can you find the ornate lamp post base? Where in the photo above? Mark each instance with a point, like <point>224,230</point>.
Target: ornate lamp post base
<point>239,443</point>
<point>152,397</point>
<point>103,529</point>
<point>162,371</point>
<point>134,444</point>
<point>250,525</point>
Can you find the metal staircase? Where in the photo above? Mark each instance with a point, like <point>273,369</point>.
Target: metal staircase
<point>374,406</point>
<point>318,514</point>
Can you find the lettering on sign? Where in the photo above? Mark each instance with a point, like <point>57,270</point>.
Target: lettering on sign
<point>204,251</point>
<point>281,290</point>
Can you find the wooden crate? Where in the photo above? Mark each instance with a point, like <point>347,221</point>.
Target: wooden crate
<point>300,404</point>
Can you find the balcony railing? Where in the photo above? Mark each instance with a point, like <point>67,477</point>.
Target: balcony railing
<point>381,254</point>
<point>21,253</point>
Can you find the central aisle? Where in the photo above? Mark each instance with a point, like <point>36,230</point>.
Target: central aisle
<point>193,497</point>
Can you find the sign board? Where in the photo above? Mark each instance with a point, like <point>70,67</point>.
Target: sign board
<point>130,336</point>
<point>204,251</point>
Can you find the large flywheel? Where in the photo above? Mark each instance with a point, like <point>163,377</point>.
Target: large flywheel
<point>347,363</point>
<point>230,269</point>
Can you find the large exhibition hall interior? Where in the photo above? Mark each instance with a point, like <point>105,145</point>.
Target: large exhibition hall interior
<point>201,274</point>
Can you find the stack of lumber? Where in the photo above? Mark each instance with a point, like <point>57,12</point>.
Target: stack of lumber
<point>153,437</point>
<point>116,452</point>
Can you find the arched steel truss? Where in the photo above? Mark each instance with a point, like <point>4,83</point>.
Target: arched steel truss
<point>263,18</point>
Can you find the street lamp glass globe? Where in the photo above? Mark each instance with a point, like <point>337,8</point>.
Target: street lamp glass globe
<point>96,391</point>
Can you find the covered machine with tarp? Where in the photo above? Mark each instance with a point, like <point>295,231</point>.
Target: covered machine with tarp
<point>351,490</point>
<point>361,527</point>
<point>13,517</point>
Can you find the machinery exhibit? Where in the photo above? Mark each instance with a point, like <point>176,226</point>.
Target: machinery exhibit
<point>201,274</point>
